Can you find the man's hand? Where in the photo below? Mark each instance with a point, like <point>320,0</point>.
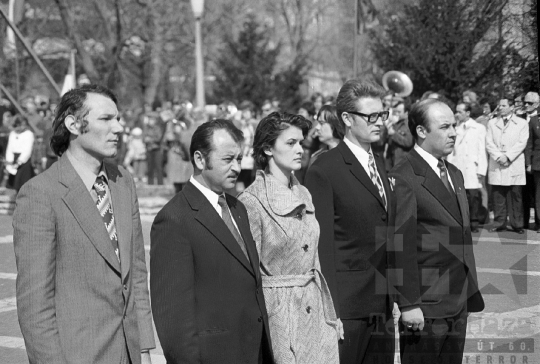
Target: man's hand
<point>396,313</point>
<point>413,318</point>
<point>503,161</point>
<point>145,358</point>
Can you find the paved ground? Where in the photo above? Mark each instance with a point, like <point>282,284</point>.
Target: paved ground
<point>507,332</point>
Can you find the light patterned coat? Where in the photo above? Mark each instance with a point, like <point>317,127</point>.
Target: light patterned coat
<point>300,310</point>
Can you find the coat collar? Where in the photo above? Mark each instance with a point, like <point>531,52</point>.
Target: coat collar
<point>281,199</point>
<point>209,218</point>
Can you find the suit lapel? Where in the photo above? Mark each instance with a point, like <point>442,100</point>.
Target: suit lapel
<point>434,185</point>
<point>358,171</point>
<point>243,226</point>
<point>210,219</point>
<point>460,193</point>
<point>121,200</point>
<point>81,205</point>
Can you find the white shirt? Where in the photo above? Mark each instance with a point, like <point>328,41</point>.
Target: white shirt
<point>22,144</point>
<point>432,161</point>
<point>212,197</point>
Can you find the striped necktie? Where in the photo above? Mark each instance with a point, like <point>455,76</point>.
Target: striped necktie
<point>444,176</point>
<point>376,179</point>
<point>227,218</point>
<point>104,207</point>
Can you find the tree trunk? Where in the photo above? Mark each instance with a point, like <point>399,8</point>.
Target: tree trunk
<point>156,54</point>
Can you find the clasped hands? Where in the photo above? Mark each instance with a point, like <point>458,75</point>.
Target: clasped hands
<point>503,161</point>
<point>413,318</point>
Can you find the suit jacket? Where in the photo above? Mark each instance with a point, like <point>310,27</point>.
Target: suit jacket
<point>354,232</point>
<point>532,151</point>
<point>469,153</point>
<point>75,301</point>
<point>509,140</point>
<point>433,243</point>
<point>207,298</point>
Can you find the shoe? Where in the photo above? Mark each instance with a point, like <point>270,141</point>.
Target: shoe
<point>498,229</point>
<point>519,231</point>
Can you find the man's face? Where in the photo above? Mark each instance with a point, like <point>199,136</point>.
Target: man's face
<point>399,111</point>
<point>504,107</point>
<point>486,108</point>
<point>361,130</point>
<point>30,107</point>
<point>102,133</point>
<point>387,102</point>
<point>518,102</point>
<point>440,139</point>
<point>531,102</point>
<point>461,114</point>
<point>222,166</point>
<point>466,99</point>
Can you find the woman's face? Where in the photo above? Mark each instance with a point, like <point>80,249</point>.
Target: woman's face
<point>287,150</point>
<point>324,132</point>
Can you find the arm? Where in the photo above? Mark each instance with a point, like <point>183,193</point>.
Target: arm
<point>517,148</point>
<point>491,148</point>
<point>481,168</point>
<point>322,193</point>
<point>35,252</point>
<point>28,144</point>
<point>172,289</point>
<point>140,278</point>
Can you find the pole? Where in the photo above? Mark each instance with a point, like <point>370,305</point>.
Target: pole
<point>12,99</point>
<point>199,64</point>
<point>355,47</point>
<point>30,51</point>
<point>72,64</point>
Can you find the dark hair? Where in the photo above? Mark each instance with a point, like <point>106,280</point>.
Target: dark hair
<point>356,89</point>
<point>269,130</point>
<point>419,115</point>
<point>477,111</point>
<point>328,113</point>
<point>18,120</point>
<point>406,105</point>
<point>509,98</point>
<point>72,103</point>
<point>309,107</point>
<point>202,137</point>
<point>466,105</point>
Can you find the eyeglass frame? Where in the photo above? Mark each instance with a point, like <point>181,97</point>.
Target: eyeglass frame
<point>368,116</point>
<point>529,102</point>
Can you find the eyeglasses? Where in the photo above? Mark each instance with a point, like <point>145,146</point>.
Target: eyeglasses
<point>529,103</point>
<point>372,118</point>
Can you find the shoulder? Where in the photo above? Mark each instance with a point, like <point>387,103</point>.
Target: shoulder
<point>328,160</point>
<point>45,182</point>
<point>251,197</point>
<point>402,167</point>
<point>520,121</point>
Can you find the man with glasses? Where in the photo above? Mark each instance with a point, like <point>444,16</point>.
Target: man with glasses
<point>354,207</point>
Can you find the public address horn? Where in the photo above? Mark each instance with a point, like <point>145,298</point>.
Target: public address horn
<point>397,82</point>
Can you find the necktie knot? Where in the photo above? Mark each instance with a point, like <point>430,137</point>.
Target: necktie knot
<point>441,166</point>
<point>222,202</point>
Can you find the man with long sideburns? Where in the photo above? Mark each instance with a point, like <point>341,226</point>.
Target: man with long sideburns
<point>434,258</point>
<point>355,208</point>
<point>82,291</point>
<point>205,283</point>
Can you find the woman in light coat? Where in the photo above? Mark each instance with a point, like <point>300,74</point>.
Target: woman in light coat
<point>303,323</point>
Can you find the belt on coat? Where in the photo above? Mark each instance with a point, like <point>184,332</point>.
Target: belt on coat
<point>301,280</point>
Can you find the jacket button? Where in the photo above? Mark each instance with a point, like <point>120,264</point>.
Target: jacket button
<point>308,309</point>
<point>125,287</point>
<point>259,319</point>
<point>383,217</point>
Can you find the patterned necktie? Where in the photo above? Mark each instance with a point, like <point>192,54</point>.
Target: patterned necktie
<point>226,216</point>
<point>104,207</point>
<point>444,176</point>
<point>376,179</point>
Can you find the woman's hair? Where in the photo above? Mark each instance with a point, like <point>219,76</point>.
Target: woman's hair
<point>328,114</point>
<point>19,120</point>
<point>269,130</point>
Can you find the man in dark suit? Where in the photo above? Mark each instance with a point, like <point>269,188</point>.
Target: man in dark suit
<point>82,284</point>
<point>433,243</point>
<point>205,282</point>
<point>354,208</point>
<point>530,194</point>
<point>532,161</point>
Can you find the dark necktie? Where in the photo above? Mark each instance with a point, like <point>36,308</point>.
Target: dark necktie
<point>104,207</point>
<point>226,216</point>
<point>505,120</point>
<point>376,179</point>
<point>444,176</point>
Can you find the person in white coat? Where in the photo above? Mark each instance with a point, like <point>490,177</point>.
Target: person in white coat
<point>505,142</point>
<point>470,157</point>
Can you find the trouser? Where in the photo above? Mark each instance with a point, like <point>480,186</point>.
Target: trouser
<point>536,175</point>
<point>154,159</point>
<point>474,197</point>
<point>529,200</point>
<point>368,341</point>
<point>507,201</point>
<point>441,341</point>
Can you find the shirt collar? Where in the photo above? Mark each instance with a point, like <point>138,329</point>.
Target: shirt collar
<point>88,177</point>
<point>210,195</point>
<point>359,152</point>
<point>430,159</point>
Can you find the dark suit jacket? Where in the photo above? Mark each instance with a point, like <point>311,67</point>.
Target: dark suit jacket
<point>354,232</point>
<point>75,301</point>
<point>433,243</point>
<point>207,298</point>
<point>532,150</point>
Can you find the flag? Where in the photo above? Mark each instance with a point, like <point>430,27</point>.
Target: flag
<point>15,14</point>
<point>70,81</point>
<point>366,16</point>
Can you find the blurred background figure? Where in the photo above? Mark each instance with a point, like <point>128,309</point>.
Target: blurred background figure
<point>153,138</point>
<point>329,130</point>
<point>246,125</point>
<point>135,159</point>
<point>178,167</point>
<point>400,139</point>
<point>18,153</point>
